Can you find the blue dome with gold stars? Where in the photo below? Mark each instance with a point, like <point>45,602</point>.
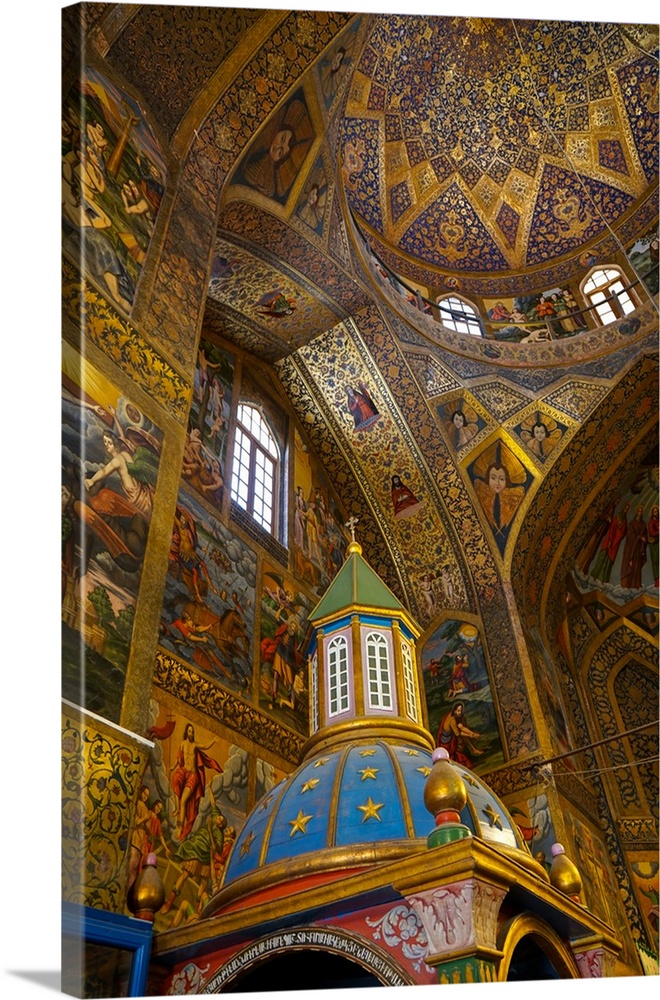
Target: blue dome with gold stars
<point>355,806</point>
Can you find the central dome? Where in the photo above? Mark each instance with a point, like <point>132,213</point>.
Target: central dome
<point>506,146</point>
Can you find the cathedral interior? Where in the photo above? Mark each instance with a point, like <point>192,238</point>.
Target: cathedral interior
<point>359,499</point>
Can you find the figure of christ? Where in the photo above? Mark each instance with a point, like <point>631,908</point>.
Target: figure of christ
<point>188,779</point>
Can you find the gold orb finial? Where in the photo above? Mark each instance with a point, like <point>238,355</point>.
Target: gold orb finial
<point>564,874</point>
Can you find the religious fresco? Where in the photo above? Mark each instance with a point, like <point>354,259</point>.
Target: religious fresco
<point>540,432</point>
<point>600,889</point>
<point>313,202</point>
<point>533,819</point>
<point>283,688</point>
<point>319,539</point>
<point>190,807</point>
<point>529,313</point>
<point>204,455</point>
<point>110,458</point>
<point>208,615</point>
<point>621,556</point>
<point>273,161</point>
<point>336,64</point>
<point>500,481</point>
<point>643,255</point>
<point>461,421</point>
<point>644,868</point>
<point>459,697</point>
<point>113,181</point>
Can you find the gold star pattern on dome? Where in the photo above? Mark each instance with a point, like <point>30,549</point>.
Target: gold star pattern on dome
<point>367,753</point>
<point>247,843</point>
<point>266,802</point>
<point>307,787</point>
<point>411,752</point>
<point>369,772</point>
<point>425,770</point>
<point>299,824</point>
<point>470,780</point>
<point>322,762</point>
<point>492,816</point>
<point>370,810</point>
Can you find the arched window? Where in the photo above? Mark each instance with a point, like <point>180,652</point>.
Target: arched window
<point>378,671</point>
<point>255,467</point>
<point>337,675</point>
<point>409,682</point>
<point>459,315</point>
<point>604,290</point>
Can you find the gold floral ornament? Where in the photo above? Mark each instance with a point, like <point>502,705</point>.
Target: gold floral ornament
<point>541,433</point>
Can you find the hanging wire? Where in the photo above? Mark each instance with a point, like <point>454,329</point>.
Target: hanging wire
<point>605,770</point>
<point>539,108</point>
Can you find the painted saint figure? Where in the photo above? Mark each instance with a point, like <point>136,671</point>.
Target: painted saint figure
<point>602,568</point>
<point>456,737</point>
<point>634,552</point>
<point>404,501</point>
<point>188,779</point>
<point>362,407</point>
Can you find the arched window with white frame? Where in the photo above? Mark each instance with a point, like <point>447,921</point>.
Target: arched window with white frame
<point>409,682</point>
<point>379,673</point>
<point>338,692</point>
<point>255,467</point>
<point>460,315</point>
<point>605,290</point>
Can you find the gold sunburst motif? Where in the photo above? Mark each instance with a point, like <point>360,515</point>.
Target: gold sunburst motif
<point>299,824</point>
<point>309,785</point>
<point>247,843</point>
<point>370,810</point>
<point>492,816</point>
<point>369,772</point>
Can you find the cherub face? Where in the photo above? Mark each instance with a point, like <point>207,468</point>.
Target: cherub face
<point>497,480</point>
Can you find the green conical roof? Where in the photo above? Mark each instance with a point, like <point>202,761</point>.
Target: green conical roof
<point>355,583</point>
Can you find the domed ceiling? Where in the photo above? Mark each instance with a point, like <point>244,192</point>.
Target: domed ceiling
<point>476,145</point>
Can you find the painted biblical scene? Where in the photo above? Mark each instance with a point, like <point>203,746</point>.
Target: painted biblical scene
<point>533,819</point>
<point>110,458</point>
<point>620,558</point>
<point>549,315</point>
<point>208,614</point>
<point>319,537</point>
<point>273,161</point>
<point>268,776</point>
<point>113,181</point>
<point>459,698</point>
<point>205,452</point>
<point>500,481</point>
<point>644,868</point>
<point>314,199</point>
<point>191,806</point>
<point>643,256</point>
<point>284,690</point>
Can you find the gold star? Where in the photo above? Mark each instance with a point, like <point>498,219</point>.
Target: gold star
<point>470,780</point>
<point>247,843</point>
<point>369,772</point>
<point>412,753</point>
<point>312,783</point>
<point>370,810</point>
<point>266,802</point>
<point>299,824</point>
<point>367,753</point>
<point>493,816</point>
<point>425,770</point>
<point>322,762</point>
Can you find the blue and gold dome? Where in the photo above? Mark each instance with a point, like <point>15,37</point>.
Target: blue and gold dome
<point>357,798</point>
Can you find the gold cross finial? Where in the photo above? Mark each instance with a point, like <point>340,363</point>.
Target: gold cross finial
<point>350,524</point>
